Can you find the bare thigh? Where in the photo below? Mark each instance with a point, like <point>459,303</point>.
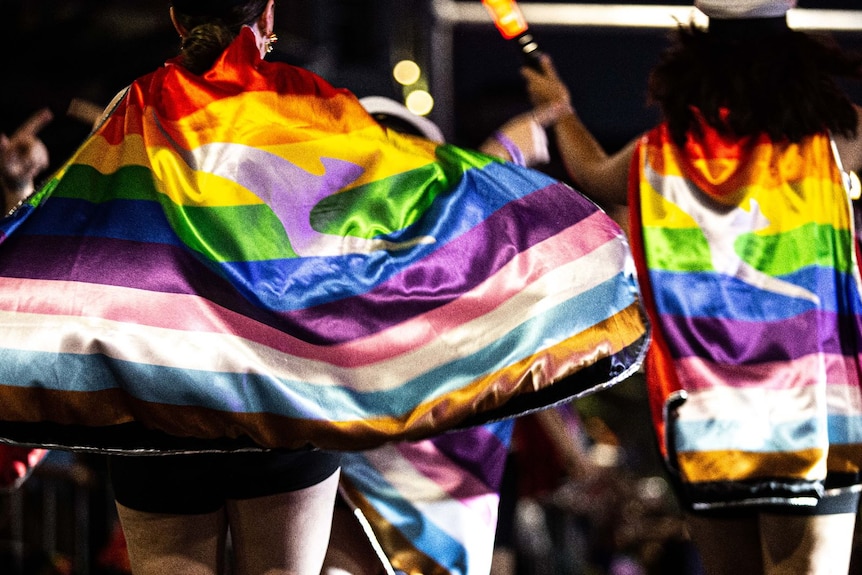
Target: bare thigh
<point>283,534</point>
<point>727,546</point>
<point>160,543</point>
<point>774,544</point>
<point>816,545</point>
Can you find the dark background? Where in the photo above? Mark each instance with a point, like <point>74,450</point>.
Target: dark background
<point>55,51</point>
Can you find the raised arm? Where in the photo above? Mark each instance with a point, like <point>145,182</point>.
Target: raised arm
<point>599,175</point>
<point>523,139</point>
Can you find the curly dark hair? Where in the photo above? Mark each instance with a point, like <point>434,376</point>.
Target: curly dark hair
<point>209,34</point>
<point>782,84</point>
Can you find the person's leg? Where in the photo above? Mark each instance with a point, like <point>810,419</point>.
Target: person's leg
<point>172,519</point>
<point>160,543</point>
<point>812,545</point>
<point>282,534</point>
<point>727,546</point>
<point>350,552</point>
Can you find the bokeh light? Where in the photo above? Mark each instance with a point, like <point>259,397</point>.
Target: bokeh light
<point>420,102</point>
<point>406,72</point>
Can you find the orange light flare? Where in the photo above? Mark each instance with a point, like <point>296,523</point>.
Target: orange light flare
<point>507,17</point>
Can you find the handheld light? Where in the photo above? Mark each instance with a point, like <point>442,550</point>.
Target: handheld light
<point>512,25</point>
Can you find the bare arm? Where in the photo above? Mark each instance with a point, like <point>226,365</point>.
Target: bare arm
<point>526,133</point>
<point>601,176</point>
<point>850,149</point>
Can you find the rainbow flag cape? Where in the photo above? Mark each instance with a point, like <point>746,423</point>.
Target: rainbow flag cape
<point>431,505</point>
<point>245,259</point>
<point>750,274</point>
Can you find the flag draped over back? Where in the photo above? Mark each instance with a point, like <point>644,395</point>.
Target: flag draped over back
<point>246,259</point>
<point>750,274</point>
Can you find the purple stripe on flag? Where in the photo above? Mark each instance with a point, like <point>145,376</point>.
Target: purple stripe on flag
<point>738,342</point>
<point>477,451</point>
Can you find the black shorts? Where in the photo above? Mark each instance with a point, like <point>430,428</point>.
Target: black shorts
<point>842,496</point>
<point>202,483</point>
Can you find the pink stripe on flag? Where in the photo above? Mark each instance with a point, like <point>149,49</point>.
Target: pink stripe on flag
<point>701,375</point>
<point>192,313</point>
<point>464,488</point>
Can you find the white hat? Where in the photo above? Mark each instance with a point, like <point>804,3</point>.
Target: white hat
<point>732,9</point>
<point>389,107</point>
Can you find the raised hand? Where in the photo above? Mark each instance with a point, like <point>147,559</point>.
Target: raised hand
<point>22,157</point>
<point>545,86</point>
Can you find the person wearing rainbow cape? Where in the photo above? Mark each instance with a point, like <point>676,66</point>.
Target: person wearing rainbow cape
<point>240,274</point>
<point>742,231</point>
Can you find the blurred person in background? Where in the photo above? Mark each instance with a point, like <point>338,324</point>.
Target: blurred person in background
<point>23,156</point>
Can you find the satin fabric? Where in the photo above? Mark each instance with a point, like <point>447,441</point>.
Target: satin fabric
<point>246,259</point>
<point>750,274</point>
